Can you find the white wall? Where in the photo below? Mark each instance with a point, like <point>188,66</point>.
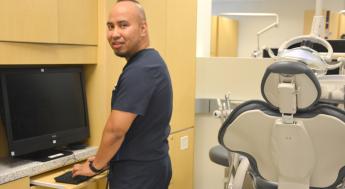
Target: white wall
<point>241,77</point>
<point>207,175</point>
<point>203,35</point>
<point>215,77</point>
<point>291,15</point>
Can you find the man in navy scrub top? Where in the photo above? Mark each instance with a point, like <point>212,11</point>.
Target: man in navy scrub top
<point>134,143</point>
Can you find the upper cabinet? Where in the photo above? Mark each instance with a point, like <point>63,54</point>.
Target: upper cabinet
<point>224,36</point>
<point>49,21</point>
<point>77,22</point>
<point>29,20</point>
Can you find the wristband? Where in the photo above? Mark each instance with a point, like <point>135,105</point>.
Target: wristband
<point>93,168</point>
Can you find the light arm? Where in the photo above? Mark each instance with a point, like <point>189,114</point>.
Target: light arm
<point>275,24</point>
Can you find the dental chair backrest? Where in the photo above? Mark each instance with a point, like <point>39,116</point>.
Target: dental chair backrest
<point>291,139</point>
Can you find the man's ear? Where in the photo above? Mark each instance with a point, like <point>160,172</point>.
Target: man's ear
<point>143,29</point>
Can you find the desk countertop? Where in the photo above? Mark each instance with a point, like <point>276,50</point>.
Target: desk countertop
<point>12,169</point>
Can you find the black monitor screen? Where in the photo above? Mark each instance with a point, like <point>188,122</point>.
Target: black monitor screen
<point>43,103</point>
<point>43,107</point>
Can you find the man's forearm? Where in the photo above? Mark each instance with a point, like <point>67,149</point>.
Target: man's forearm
<point>110,144</point>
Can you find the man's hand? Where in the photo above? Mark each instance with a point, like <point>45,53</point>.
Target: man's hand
<point>82,169</point>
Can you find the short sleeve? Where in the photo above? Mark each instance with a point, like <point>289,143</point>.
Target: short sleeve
<point>133,91</point>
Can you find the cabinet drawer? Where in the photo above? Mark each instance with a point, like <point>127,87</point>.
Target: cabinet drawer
<point>46,180</point>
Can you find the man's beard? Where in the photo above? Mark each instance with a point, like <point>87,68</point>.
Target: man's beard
<point>121,54</point>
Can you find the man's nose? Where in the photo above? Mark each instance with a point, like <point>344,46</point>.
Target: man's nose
<point>115,33</point>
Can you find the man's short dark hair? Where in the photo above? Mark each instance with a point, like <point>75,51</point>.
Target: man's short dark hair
<point>142,12</point>
<point>134,1</point>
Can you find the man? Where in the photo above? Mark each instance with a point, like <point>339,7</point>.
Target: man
<point>134,141</point>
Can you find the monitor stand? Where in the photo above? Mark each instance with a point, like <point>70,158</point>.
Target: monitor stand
<point>76,146</point>
<point>46,155</point>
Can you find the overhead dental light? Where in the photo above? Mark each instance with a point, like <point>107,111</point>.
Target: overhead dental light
<point>257,52</point>
<point>318,62</point>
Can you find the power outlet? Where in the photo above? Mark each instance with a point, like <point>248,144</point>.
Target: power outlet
<point>184,143</point>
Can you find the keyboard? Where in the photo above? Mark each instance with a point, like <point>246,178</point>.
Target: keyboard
<point>67,178</point>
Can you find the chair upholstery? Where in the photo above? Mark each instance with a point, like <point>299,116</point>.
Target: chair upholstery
<point>306,153</point>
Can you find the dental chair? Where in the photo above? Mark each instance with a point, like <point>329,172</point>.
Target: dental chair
<point>292,140</point>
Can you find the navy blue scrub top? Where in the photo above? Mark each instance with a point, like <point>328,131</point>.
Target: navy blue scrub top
<point>144,88</point>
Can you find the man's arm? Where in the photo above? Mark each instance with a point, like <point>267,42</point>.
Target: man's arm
<point>114,133</point>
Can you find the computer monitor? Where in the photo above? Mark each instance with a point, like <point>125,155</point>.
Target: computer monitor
<point>43,108</point>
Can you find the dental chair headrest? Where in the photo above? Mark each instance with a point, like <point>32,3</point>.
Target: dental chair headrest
<point>307,86</point>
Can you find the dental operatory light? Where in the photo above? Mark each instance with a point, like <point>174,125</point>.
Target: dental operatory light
<point>257,52</point>
<point>318,62</point>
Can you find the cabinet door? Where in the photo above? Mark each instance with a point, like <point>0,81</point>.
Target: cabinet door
<point>156,20</point>
<point>227,37</point>
<point>214,35</point>
<point>28,20</point>
<point>78,21</point>
<point>23,183</point>
<point>181,53</point>
<point>182,157</point>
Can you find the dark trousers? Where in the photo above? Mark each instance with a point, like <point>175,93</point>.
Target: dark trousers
<point>140,174</point>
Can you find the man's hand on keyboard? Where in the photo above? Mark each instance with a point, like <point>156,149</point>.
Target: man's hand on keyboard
<point>82,169</point>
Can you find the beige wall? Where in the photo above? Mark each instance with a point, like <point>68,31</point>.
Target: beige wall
<point>241,77</point>
<point>334,23</point>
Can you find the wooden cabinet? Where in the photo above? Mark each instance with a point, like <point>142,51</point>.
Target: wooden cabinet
<point>23,183</point>
<point>182,157</point>
<point>224,37</point>
<point>77,21</point>
<point>156,18</point>
<point>180,57</point>
<point>14,53</point>
<point>29,20</point>
<point>49,21</point>
<point>172,30</point>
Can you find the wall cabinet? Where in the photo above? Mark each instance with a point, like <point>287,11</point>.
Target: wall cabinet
<point>29,20</point>
<point>182,157</point>
<point>76,22</point>
<point>180,57</point>
<point>49,21</point>
<point>224,37</point>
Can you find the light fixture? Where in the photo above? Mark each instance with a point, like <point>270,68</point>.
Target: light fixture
<point>257,52</point>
